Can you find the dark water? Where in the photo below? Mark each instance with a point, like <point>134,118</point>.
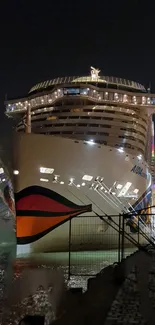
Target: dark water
<point>82,266</point>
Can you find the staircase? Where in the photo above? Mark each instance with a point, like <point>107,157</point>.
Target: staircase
<point>117,294</point>
<point>113,296</point>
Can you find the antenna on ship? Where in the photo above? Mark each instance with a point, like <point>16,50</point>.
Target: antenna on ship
<point>94,73</point>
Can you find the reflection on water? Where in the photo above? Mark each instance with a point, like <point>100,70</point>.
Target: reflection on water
<point>82,266</point>
<point>7,240</point>
<point>7,255</point>
<point>79,265</point>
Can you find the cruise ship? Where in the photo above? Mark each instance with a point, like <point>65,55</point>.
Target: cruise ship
<point>83,153</point>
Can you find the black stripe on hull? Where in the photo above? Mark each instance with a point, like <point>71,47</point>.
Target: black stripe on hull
<point>37,213</point>
<point>34,190</point>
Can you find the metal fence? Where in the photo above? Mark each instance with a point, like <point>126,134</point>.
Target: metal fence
<point>96,242</point>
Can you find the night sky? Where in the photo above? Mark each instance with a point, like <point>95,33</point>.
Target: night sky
<point>45,39</point>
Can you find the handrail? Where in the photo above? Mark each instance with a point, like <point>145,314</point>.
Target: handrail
<point>120,229</point>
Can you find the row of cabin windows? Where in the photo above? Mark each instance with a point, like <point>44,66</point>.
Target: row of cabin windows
<point>108,111</point>
<point>132,130</point>
<point>129,146</point>
<point>91,125</point>
<point>97,133</point>
<point>45,116</point>
<point>77,132</point>
<point>125,145</point>
<point>88,118</point>
<point>95,125</point>
<point>132,138</point>
<point>97,111</point>
<point>105,118</point>
<point>77,125</point>
<point>89,110</point>
<point>71,110</point>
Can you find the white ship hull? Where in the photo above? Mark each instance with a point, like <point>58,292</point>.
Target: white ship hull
<point>72,160</point>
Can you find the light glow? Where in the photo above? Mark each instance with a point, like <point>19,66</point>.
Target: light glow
<point>143,100</point>
<point>44,180</point>
<point>87,178</point>
<point>71,181</point>
<point>91,142</point>
<point>139,157</point>
<point>136,191</point>
<point>121,150</point>
<point>16,172</point>
<point>83,184</point>
<point>55,179</point>
<point>94,73</point>
<point>45,170</point>
<point>125,189</point>
<point>1,170</point>
<point>119,186</point>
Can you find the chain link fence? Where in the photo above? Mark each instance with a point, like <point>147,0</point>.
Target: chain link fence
<point>96,242</point>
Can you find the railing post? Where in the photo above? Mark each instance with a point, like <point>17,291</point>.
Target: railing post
<point>119,240</point>
<point>69,249</point>
<point>122,255</point>
<point>138,229</point>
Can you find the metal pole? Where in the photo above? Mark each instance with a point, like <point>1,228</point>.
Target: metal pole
<point>28,120</point>
<point>138,230</point>
<point>69,249</point>
<point>122,237</point>
<point>119,240</point>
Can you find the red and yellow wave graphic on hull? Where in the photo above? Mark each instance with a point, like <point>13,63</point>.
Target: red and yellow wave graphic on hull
<point>40,210</point>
